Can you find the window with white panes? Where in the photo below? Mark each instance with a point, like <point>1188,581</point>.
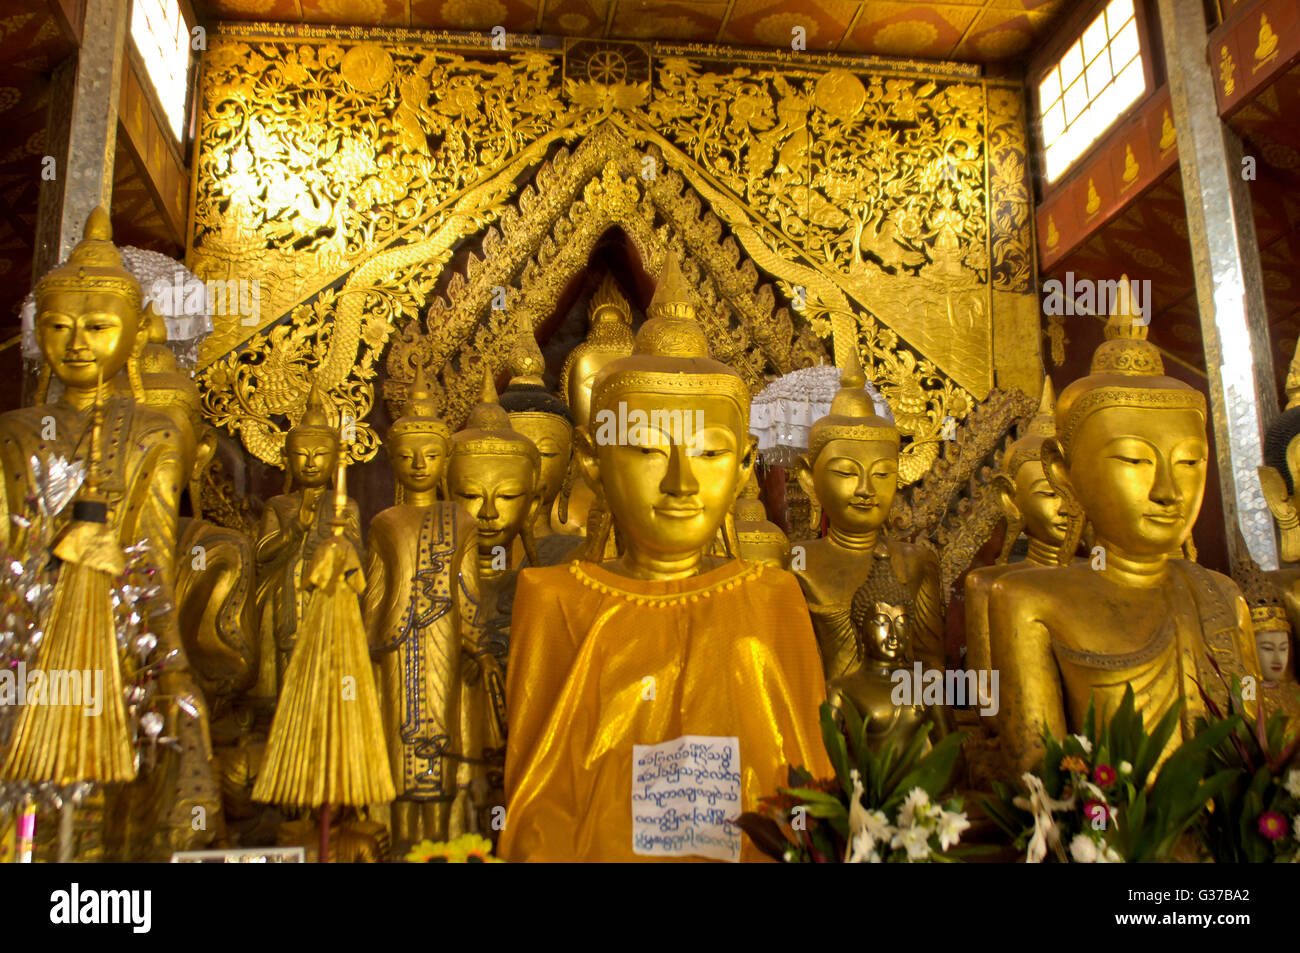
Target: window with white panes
<point>1099,76</point>
<point>162,38</point>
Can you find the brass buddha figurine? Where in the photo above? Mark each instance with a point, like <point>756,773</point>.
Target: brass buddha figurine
<point>421,584</point>
<point>215,567</point>
<point>293,525</point>
<point>1029,504</point>
<point>851,471</point>
<point>1279,691</point>
<point>89,328</point>
<point>881,616</point>
<point>545,420</point>
<point>1130,451</point>
<point>662,641</point>
<point>761,540</point>
<point>608,339</point>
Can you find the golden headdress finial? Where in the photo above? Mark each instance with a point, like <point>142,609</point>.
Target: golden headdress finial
<point>488,430</point>
<point>853,413</point>
<point>1041,427</point>
<point>1267,608</point>
<point>420,414</point>
<point>527,393</point>
<point>163,382</point>
<point>672,330</point>
<point>608,306</point>
<point>1126,371</point>
<point>314,419</point>
<point>94,265</point>
<point>671,298</point>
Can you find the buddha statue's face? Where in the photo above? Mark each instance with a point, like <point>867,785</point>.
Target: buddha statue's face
<point>498,489</point>
<point>885,633</point>
<point>84,336</point>
<point>418,459</point>
<point>554,440</point>
<point>855,482</point>
<point>1274,649</point>
<point>1039,504</point>
<point>581,377</point>
<point>669,486</point>
<point>311,458</point>
<point>1140,476</point>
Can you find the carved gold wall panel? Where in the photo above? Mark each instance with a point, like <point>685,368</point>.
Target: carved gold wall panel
<point>342,170</point>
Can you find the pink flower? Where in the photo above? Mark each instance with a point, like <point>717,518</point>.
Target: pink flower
<point>1272,825</point>
<point>1103,775</point>
<point>1095,810</point>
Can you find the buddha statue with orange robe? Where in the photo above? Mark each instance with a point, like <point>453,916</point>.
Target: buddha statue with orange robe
<point>662,642</point>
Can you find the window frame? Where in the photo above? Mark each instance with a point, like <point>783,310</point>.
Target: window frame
<point>181,143</point>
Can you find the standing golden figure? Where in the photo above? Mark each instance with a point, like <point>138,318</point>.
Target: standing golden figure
<point>662,642</point>
<point>851,471</point>
<point>293,525</point>
<point>421,590</point>
<point>1130,451</point>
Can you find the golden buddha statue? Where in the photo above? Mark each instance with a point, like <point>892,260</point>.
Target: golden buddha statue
<point>1130,451</point>
<point>1279,691</point>
<point>608,339</point>
<point>215,566</point>
<point>881,616</point>
<point>851,471</point>
<point>761,540</point>
<point>293,525</point>
<point>421,583</point>
<point>545,420</point>
<point>1030,504</point>
<point>1278,479</point>
<point>663,641</point>
<point>88,325</point>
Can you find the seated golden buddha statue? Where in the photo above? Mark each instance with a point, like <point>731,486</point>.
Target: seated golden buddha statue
<point>661,642</point>
<point>421,582</point>
<point>1030,504</point>
<point>608,339</point>
<point>215,566</point>
<point>851,471</point>
<point>293,525</point>
<point>1278,479</point>
<point>1279,691</point>
<point>88,325</point>
<point>1130,451</point>
<point>545,420</point>
<point>761,540</point>
<point>881,616</point>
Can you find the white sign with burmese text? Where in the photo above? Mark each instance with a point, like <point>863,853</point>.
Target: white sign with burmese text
<point>686,798</point>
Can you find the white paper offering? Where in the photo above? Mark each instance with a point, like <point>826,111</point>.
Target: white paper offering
<point>686,798</point>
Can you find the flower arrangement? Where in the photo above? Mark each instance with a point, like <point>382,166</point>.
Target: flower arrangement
<point>466,849</point>
<point>878,808</point>
<point>1256,818</point>
<point>1104,797</point>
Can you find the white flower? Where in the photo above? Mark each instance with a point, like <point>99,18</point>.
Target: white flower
<point>1293,783</point>
<point>915,840</point>
<point>916,802</point>
<point>878,825</point>
<point>857,813</point>
<point>1083,849</point>
<point>1109,855</point>
<point>1125,767</point>
<point>1084,743</point>
<point>1040,805</point>
<point>951,826</point>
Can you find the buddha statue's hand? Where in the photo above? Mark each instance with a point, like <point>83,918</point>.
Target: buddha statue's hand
<point>1282,506</point>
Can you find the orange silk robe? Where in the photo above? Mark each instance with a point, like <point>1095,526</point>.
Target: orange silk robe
<point>731,653</point>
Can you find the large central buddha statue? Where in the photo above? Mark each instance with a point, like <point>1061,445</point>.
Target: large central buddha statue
<point>851,470</point>
<point>1131,452</point>
<point>663,641</point>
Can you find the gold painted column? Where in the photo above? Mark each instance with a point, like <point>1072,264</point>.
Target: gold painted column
<point>1229,284</point>
<point>81,133</point>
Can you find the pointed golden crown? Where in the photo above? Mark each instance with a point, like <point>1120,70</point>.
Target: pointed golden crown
<point>853,413</point>
<point>526,392</point>
<point>488,430</point>
<point>165,384</point>
<point>1041,427</point>
<point>1126,372</point>
<point>1267,608</point>
<point>420,414</point>
<point>94,265</point>
<point>314,420</point>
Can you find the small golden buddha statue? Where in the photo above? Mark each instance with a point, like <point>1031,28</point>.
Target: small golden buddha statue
<point>1268,613</point>
<point>1131,452</point>
<point>89,326</point>
<point>1030,504</point>
<point>881,616</point>
<point>545,420</point>
<point>608,339</point>
<point>421,584</point>
<point>851,471</point>
<point>662,641</point>
<point>293,525</point>
<point>761,540</point>
<point>1278,479</point>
